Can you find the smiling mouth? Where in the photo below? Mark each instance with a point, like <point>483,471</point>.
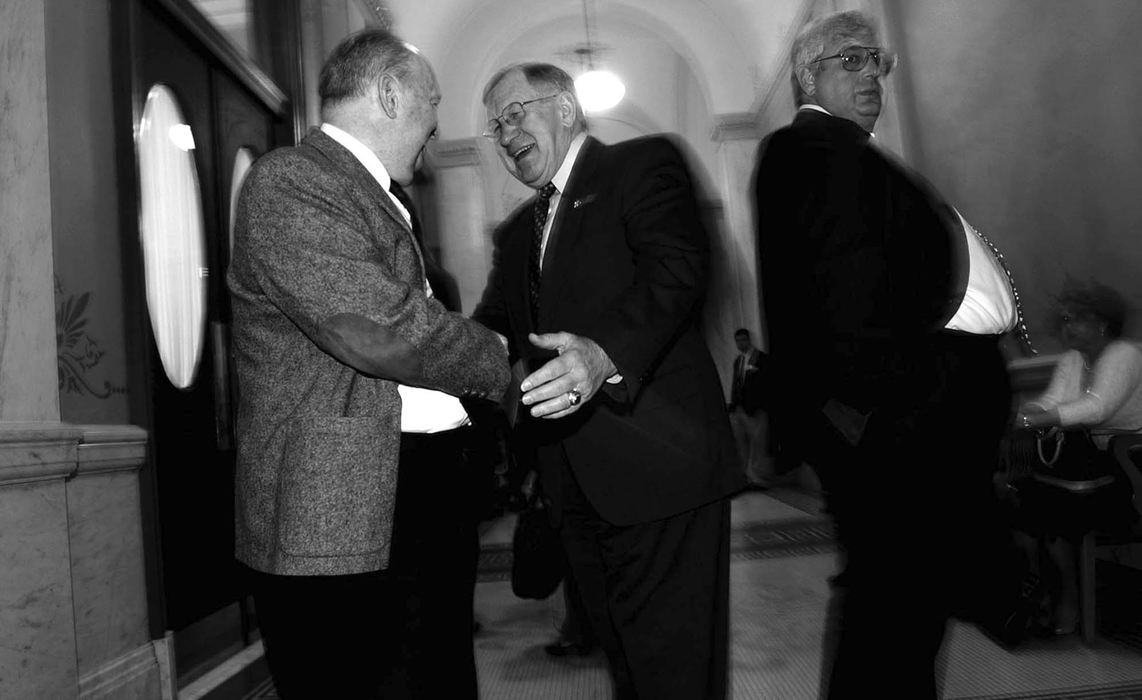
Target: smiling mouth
<point>522,151</point>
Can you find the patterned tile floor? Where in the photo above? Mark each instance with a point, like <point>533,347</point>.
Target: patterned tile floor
<point>781,559</point>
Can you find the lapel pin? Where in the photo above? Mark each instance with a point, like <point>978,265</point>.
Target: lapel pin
<point>582,202</point>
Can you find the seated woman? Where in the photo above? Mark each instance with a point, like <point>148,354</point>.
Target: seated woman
<point>1097,384</point>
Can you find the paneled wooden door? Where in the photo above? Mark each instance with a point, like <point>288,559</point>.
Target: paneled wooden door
<point>191,461</point>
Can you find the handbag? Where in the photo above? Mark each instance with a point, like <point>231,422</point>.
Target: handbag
<point>1069,459</point>
<point>538,561</point>
<point>1065,485</point>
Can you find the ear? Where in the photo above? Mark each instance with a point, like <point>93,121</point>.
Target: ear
<point>566,109</point>
<point>388,94</point>
<point>808,80</point>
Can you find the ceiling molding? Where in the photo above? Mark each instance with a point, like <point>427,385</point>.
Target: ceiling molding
<point>455,153</point>
<point>739,126</point>
<point>379,11</point>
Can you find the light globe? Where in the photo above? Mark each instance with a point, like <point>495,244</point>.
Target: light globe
<point>599,90</point>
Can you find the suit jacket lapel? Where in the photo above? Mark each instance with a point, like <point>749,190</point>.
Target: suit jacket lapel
<point>355,170</point>
<point>567,226</point>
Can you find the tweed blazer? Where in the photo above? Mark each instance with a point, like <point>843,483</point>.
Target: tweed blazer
<point>319,246</point>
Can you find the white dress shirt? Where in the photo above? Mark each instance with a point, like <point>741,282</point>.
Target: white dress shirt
<point>422,410</point>
<point>988,307</point>
<point>560,181</point>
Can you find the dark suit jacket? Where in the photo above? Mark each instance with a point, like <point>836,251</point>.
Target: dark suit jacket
<point>317,242</point>
<point>862,264</point>
<point>626,266</point>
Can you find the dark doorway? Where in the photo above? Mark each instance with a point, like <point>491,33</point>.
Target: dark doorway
<point>233,114</point>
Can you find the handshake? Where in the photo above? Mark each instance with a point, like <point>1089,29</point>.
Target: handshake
<point>575,371</point>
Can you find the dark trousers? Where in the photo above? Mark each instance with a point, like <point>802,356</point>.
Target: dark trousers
<point>656,595</point>
<point>576,627</point>
<point>405,632</point>
<point>919,527</point>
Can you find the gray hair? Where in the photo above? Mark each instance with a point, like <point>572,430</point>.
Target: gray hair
<point>356,63</point>
<point>540,75</point>
<point>814,37</point>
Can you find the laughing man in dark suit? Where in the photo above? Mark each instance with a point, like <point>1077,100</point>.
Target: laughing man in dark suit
<point>598,283</point>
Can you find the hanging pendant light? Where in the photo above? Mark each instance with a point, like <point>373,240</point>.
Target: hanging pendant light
<point>598,90</point>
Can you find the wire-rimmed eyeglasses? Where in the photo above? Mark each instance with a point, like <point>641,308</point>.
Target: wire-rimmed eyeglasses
<point>855,58</point>
<point>512,115</point>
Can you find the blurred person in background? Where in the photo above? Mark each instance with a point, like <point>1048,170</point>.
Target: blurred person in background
<point>748,393</point>
<point>1096,384</point>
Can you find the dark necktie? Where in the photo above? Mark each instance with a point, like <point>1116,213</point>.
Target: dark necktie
<point>539,218</point>
<point>406,202</point>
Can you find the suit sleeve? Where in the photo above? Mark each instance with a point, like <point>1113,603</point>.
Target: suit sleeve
<point>314,254</point>
<point>670,250</point>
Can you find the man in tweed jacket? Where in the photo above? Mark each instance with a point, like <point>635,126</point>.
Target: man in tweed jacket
<point>348,371</point>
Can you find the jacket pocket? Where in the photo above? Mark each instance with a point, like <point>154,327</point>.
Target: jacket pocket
<point>338,487</point>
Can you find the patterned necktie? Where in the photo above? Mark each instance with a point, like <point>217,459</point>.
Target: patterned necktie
<point>539,218</point>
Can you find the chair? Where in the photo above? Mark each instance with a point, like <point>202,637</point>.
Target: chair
<point>1127,450</point>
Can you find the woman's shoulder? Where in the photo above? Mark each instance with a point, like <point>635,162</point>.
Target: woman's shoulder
<point>1125,355</point>
<point>1125,349</point>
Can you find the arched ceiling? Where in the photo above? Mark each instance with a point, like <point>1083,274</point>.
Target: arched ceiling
<point>731,47</point>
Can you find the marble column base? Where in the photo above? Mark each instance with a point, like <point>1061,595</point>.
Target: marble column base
<point>73,600</point>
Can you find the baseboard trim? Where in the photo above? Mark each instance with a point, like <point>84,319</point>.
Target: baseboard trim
<point>223,672</point>
<point>133,669</point>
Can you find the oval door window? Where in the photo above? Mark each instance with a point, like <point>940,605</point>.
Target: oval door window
<point>173,238</point>
<point>243,159</point>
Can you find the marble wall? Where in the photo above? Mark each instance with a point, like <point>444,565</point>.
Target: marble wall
<point>72,597</point>
<point>37,651</point>
<point>27,342</point>
<point>1039,148</point>
<point>73,615</point>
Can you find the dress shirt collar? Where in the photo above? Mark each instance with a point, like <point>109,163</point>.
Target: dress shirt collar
<point>371,162</point>
<point>822,110</point>
<point>362,152</point>
<point>564,172</point>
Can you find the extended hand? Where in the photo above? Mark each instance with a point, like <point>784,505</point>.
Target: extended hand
<point>582,366</point>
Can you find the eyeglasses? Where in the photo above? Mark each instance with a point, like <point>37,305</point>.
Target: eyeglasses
<point>512,115</point>
<point>855,58</point>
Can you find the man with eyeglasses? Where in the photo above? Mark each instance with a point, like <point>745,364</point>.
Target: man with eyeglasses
<point>597,283</point>
<point>884,311</point>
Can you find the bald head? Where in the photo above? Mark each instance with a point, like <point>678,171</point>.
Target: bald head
<point>383,92</point>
